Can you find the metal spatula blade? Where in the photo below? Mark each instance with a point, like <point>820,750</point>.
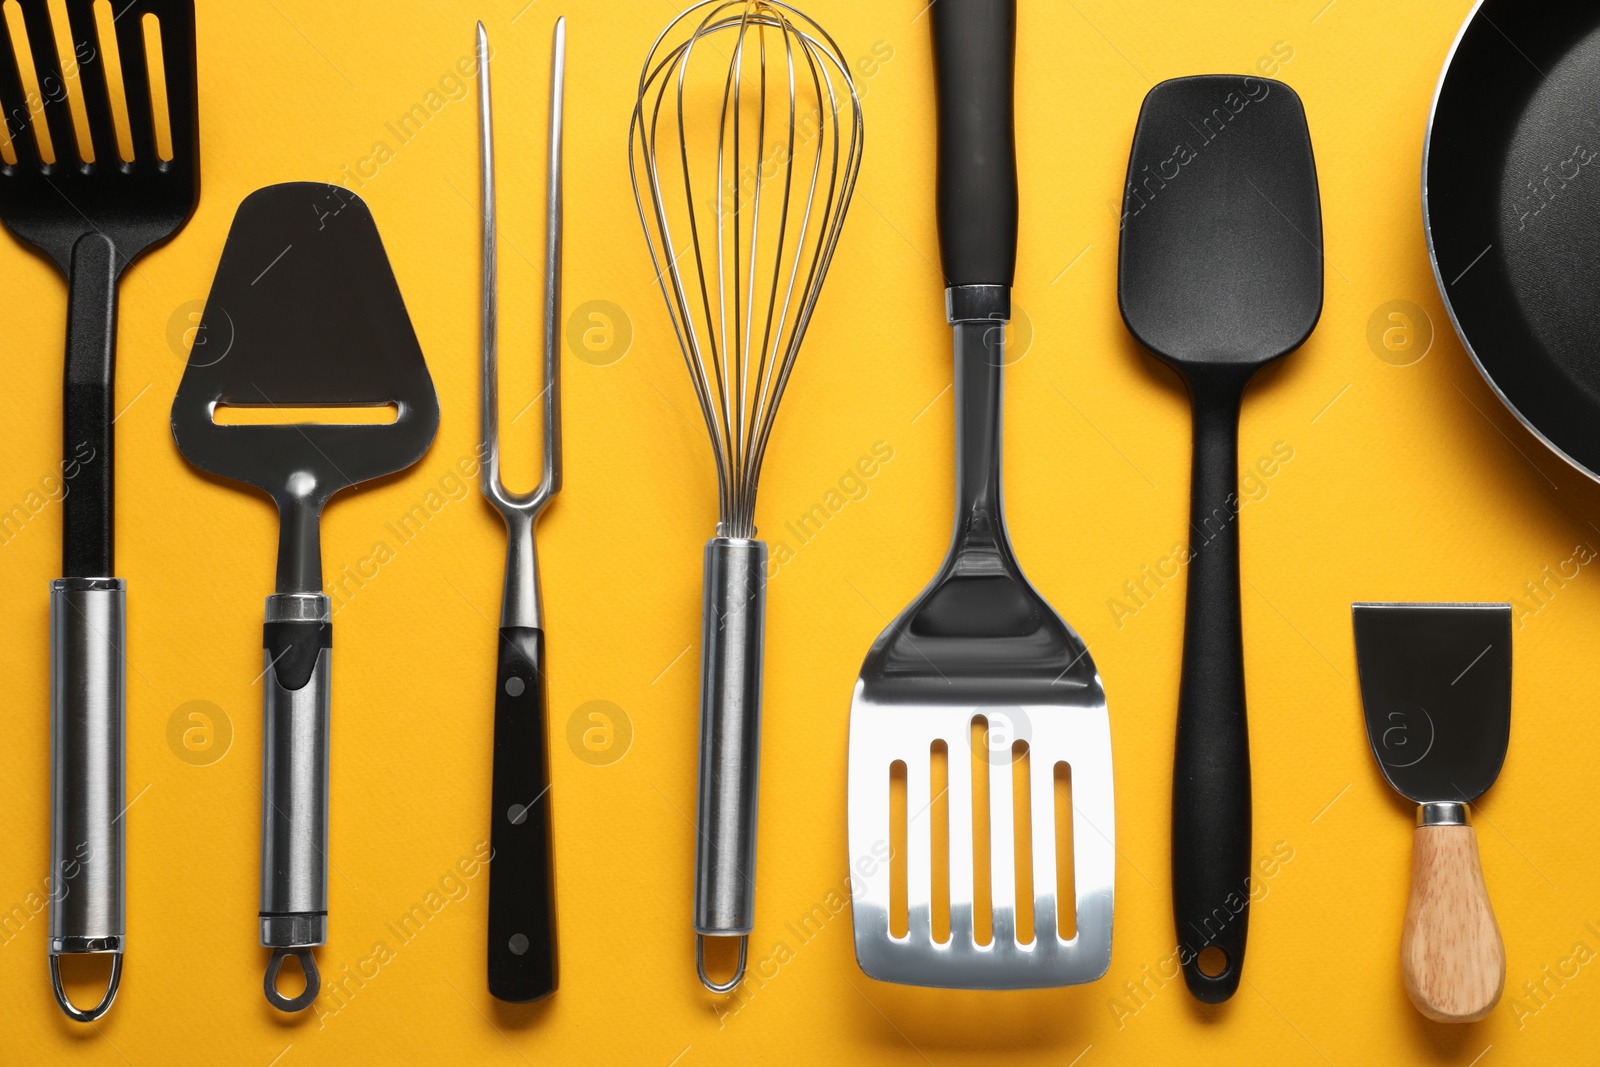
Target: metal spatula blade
<point>899,717</point>
<point>980,646</point>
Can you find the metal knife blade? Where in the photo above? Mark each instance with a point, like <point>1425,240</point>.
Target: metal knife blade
<point>1436,693</point>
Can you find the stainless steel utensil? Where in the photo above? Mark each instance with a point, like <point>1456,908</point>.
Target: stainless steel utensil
<point>980,645</point>
<point>92,213</point>
<point>306,294</point>
<point>522,915</point>
<point>746,206</point>
<point>1436,693</point>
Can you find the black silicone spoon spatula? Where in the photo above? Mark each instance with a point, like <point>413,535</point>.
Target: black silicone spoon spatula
<point>1436,692</point>
<point>304,313</point>
<point>1220,274</point>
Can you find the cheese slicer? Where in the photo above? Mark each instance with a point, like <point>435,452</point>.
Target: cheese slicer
<point>305,312</point>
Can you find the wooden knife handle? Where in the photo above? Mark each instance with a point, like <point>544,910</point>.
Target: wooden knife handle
<point>1450,951</point>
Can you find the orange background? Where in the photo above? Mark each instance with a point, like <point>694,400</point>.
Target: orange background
<point>1407,482</point>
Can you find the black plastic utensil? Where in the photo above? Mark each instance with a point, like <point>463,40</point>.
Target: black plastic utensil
<point>304,312</point>
<point>93,217</point>
<point>92,213</point>
<point>1220,274</point>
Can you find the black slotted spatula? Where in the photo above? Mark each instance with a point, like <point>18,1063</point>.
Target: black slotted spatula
<point>1220,273</point>
<point>91,212</point>
<point>304,312</point>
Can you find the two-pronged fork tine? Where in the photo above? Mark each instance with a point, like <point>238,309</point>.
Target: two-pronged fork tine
<point>522,931</point>
<point>521,606</point>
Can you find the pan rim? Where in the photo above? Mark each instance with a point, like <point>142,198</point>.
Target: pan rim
<point>1438,277</point>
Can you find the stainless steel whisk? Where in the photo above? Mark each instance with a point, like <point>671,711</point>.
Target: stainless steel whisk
<point>747,195</point>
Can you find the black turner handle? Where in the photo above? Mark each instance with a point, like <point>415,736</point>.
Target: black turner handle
<point>87,459</point>
<point>1211,765</point>
<point>522,932</point>
<point>974,47</point>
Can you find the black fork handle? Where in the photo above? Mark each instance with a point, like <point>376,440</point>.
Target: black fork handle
<point>974,51</point>
<point>522,910</point>
<point>87,545</point>
<point>1211,765</point>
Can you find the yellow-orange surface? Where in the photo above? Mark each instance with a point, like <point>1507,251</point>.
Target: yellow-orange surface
<point>1407,481</point>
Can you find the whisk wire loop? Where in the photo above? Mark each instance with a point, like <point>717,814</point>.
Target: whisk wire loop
<point>784,104</point>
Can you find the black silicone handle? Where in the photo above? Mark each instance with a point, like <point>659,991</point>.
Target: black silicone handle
<point>522,933</point>
<point>1211,768</point>
<point>87,548</point>
<point>974,51</point>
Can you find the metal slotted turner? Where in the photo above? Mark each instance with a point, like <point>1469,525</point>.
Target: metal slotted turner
<point>980,647</point>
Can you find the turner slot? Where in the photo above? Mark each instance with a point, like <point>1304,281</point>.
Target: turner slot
<point>959,800</point>
<point>85,65</point>
<point>898,920</point>
<point>71,84</point>
<point>1066,886</point>
<point>109,61</point>
<point>33,99</point>
<point>1022,840</point>
<point>919,846</point>
<point>1002,833</point>
<point>34,24</point>
<point>156,74</point>
<point>939,831</point>
<point>982,884</point>
<point>136,91</point>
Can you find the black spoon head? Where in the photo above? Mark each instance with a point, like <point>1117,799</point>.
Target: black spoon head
<point>1221,259</point>
<point>304,312</point>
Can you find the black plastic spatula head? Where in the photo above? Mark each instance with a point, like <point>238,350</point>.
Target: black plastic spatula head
<point>1436,692</point>
<point>133,203</point>
<point>304,312</point>
<point>1222,226</point>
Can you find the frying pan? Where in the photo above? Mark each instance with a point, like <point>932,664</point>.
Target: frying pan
<point>1511,205</point>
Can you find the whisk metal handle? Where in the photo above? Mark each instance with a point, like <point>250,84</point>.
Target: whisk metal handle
<point>974,45</point>
<point>732,637</point>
